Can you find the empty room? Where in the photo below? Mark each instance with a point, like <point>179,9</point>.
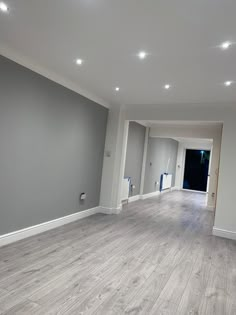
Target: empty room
<point>117,157</point>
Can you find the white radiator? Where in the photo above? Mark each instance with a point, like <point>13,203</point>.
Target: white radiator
<point>125,188</point>
<point>166,181</point>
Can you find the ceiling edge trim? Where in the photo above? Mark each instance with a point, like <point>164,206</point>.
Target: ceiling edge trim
<point>26,62</point>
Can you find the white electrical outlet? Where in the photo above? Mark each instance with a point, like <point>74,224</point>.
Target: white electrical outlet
<point>83,196</point>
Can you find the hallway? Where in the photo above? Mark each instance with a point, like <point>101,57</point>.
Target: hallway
<point>157,257</point>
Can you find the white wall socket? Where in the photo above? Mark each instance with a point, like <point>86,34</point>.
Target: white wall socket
<point>83,196</point>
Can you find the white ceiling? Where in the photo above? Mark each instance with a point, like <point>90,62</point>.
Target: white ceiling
<point>181,37</point>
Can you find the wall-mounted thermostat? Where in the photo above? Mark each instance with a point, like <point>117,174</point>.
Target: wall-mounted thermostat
<point>83,196</point>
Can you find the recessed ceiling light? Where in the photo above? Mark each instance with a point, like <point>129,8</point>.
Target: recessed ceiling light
<point>226,45</point>
<point>167,86</point>
<point>79,61</point>
<point>3,7</point>
<point>142,54</point>
<point>117,89</point>
<point>228,83</point>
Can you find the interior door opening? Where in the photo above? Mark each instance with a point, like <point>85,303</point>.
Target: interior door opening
<point>196,170</point>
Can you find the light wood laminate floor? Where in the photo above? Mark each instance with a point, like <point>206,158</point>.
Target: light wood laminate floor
<point>157,257</point>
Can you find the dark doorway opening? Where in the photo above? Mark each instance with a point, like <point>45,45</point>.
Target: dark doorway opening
<point>196,170</point>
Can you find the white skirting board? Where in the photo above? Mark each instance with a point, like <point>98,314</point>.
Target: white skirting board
<point>49,225</point>
<point>106,210</point>
<point>150,195</point>
<point>210,208</point>
<point>194,191</point>
<point>45,226</point>
<point>175,188</point>
<point>224,233</point>
<point>134,198</point>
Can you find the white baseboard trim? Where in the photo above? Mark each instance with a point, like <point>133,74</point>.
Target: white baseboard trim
<point>134,198</point>
<point>224,233</point>
<point>165,191</point>
<point>150,195</point>
<point>194,191</point>
<point>106,210</point>
<point>175,188</point>
<point>210,208</point>
<point>45,226</point>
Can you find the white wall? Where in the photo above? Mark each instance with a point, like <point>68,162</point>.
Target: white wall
<point>134,156</point>
<point>114,160</point>
<point>225,216</point>
<point>196,131</point>
<point>161,158</point>
<point>144,161</point>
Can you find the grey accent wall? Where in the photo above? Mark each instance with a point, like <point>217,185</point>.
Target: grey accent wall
<point>158,153</point>
<point>51,149</point>
<point>134,154</point>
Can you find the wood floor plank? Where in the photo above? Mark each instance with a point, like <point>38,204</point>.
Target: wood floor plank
<point>156,257</point>
<point>196,286</point>
<point>163,307</point>
<point>23,308</point>
<point>231,279</point>
<point>215,297</point>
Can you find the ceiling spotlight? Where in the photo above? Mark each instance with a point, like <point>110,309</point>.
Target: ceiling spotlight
<point>142,55</point>
<point>3,7</point>
<point>167,86</point>
<point>226,45</point>
<point>228,83</point>
<point>117,89</point>
<point>79,62</point>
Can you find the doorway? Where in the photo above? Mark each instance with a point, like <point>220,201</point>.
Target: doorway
<point>196,170</point>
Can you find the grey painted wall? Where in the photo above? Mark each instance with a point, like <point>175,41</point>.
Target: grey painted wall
<point>51,149</point>
<point>134,154</point>
<point>158,153</point>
